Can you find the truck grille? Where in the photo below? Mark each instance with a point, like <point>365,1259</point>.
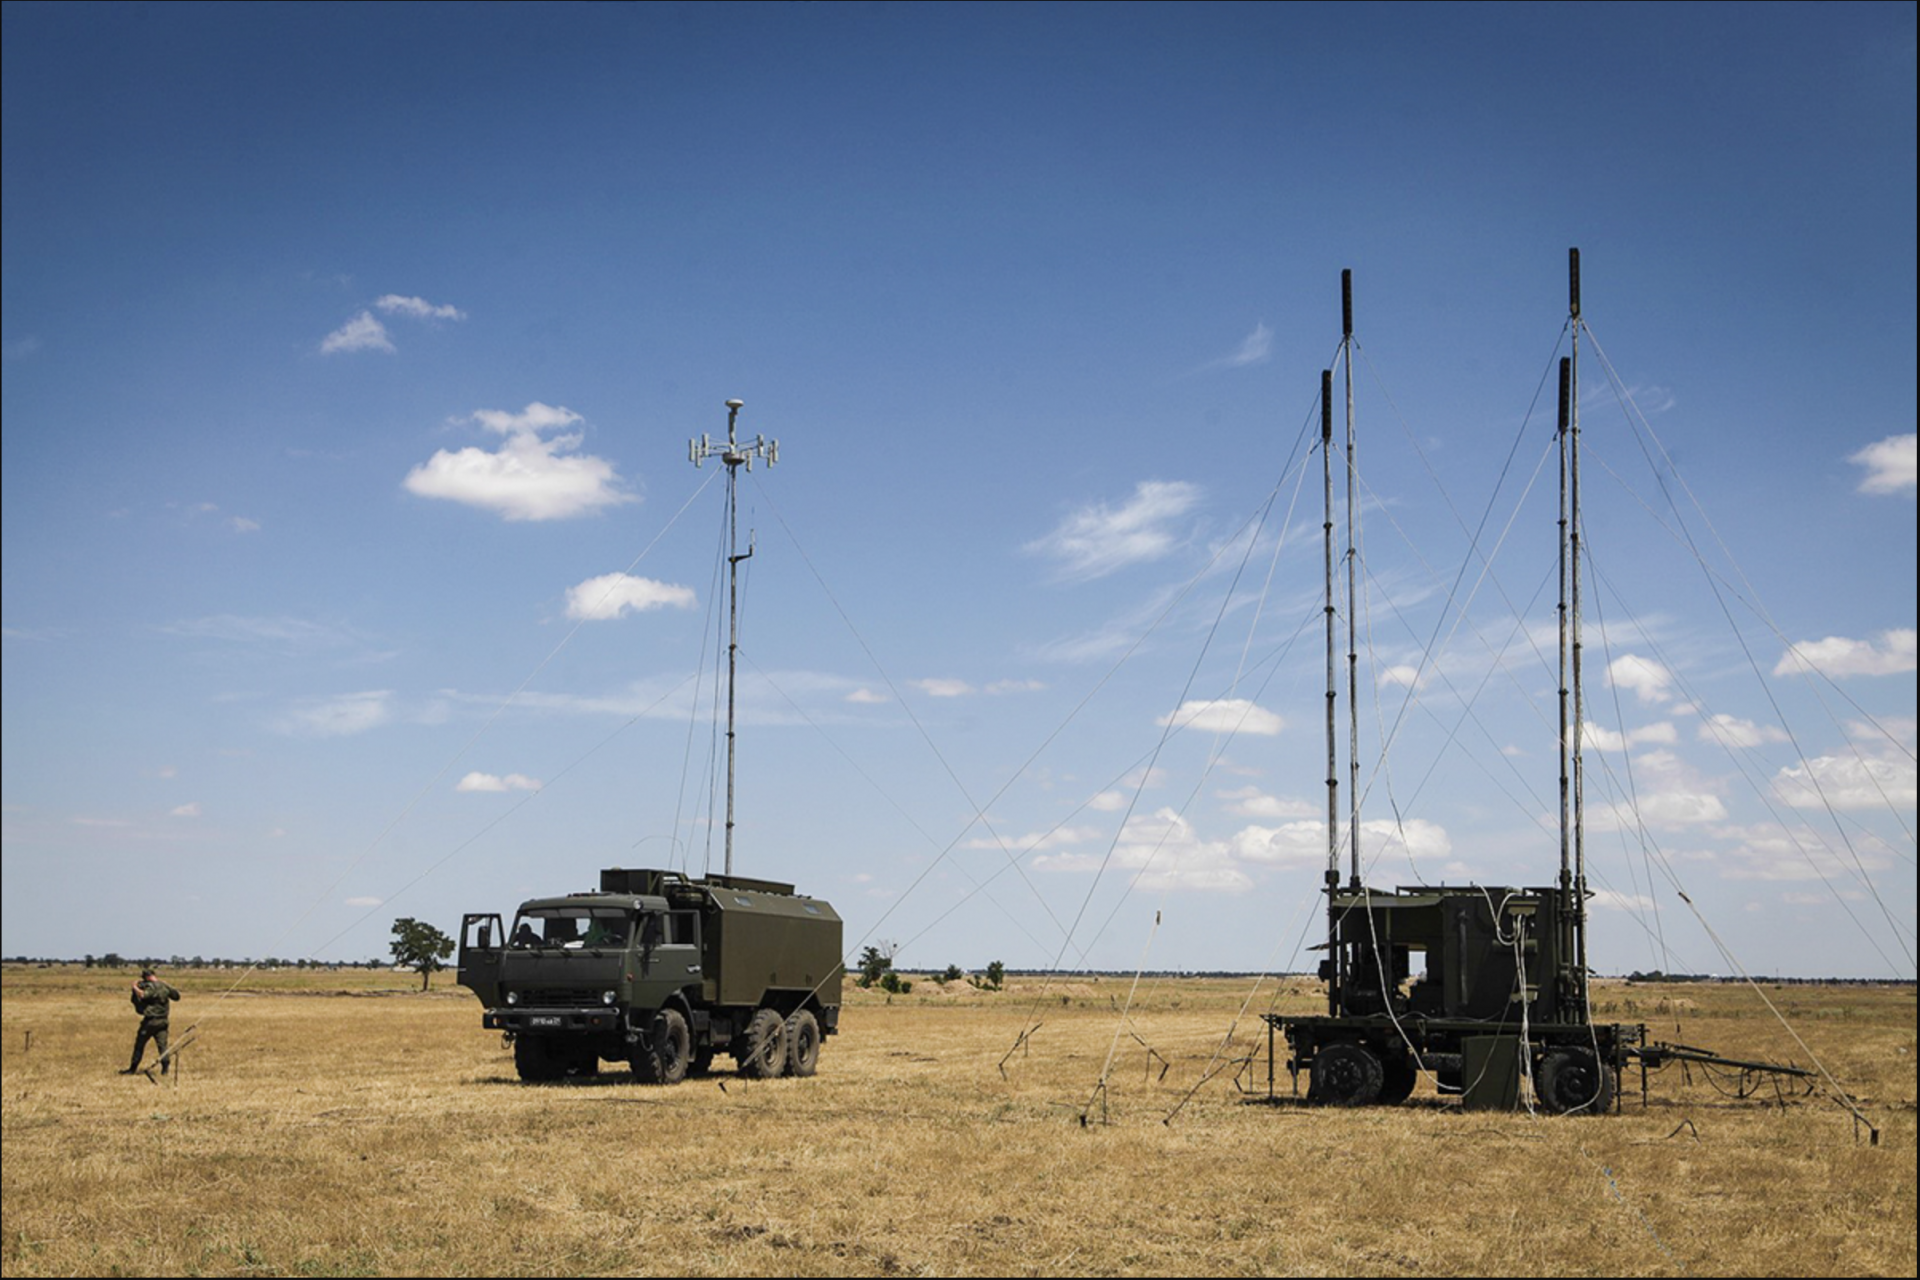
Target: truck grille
<point>557,997</point>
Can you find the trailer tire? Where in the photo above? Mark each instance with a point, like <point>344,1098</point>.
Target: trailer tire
<point>535,1060</point>
<point>1576,1082</point>
<point>662,1057</point>
<point>803,1044</point>
<point>1346,1075</point>
<point>763,1046</point>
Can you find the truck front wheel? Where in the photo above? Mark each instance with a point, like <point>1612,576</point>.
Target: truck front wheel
<point>661,1057</point>
<point>762,1051</point>
<point>536,1060</point>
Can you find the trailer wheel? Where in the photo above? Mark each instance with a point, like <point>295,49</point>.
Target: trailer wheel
<point>661,1058</point>
<point>1397,1078</point>
<point>803,1044</point>
<point>763,1046</point>
<point>536,1061</point>
<point>1346,1075</point>
<point>1574,1081</point>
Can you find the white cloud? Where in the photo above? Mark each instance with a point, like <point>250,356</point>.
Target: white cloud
<point>1255,348</point>
<point>1670,794</point>
<point>1224,715</point>
<point>867,697</point>
<point>240,524</point>
<point>611,595</point>
<point>941,687</point>
<point>191,810</point>
<point>1848,782</point>
<point>1599,738</point>
<point>530,477</point>
<point>1772,852</point>
<point>362,333</point>
<point>1839,656</point>
<point>418,308</point>
<point>1108,802</point>
<point>1016,686</point>
<point>1054,839</point>
<point>1734,732</point>
<point>1614,900</point>
<point>1402,675</point>
<point>1649,680</point>
<point>490,782</point>
<point>340,716</point>
<point>1889,464</point>
<point>1098,540</point>
<point>364,902</point>
<point>1251,802</point>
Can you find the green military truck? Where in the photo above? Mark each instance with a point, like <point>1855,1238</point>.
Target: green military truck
<point>660,971</point>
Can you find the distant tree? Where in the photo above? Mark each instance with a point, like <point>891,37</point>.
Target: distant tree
<point>875,961</point>
<point>953,974</point>
<point>420,946</point>
<point>112,960</point>
<point>996,974</point>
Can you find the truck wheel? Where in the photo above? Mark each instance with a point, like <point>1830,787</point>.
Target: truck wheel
<point>702,1061</point>
<point>1346,1075</point>
<point>763,1046</point>
<point>661,1057</point>
<point>1575,1081</point>
<point>803,1044</point>
<point>536,1061</point>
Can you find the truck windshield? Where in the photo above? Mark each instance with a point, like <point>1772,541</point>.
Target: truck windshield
<point>571,928</point>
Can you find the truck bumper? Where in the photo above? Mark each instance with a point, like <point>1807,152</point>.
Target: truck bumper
<point>591,1021</point>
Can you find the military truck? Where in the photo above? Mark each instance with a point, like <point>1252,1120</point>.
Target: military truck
<point>660,971</point>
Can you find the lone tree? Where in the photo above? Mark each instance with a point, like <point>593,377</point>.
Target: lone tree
<point>419,945</point>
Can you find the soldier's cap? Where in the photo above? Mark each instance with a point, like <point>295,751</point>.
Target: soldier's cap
<point>146,973</point>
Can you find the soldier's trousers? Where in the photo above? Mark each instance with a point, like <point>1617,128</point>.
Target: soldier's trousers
<point>157,1034</point>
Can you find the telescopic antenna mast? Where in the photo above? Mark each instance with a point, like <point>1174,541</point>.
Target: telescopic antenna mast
<point>735,454</point>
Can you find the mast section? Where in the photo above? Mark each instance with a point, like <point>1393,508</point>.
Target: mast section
<point>735,455</point>
<point>1353,598</point>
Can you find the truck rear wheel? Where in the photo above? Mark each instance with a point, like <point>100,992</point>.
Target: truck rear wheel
<point>803,1044</point>
<point>763,1046</point>
<point>662,1056</point>
<point>1398,1076</point>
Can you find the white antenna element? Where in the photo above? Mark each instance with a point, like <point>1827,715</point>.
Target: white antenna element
<point>735,455</point>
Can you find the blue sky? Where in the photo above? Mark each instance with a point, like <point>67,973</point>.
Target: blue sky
<point>349,349</point>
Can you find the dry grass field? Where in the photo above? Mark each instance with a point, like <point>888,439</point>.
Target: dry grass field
<point>346,1124</point>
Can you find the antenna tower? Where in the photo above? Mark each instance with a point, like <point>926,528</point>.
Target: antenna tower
<point>735,455</point>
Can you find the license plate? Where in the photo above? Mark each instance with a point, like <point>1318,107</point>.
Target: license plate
<point>544,1020</point>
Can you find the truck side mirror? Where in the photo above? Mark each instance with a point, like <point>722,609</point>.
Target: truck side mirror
<point>486,936</point>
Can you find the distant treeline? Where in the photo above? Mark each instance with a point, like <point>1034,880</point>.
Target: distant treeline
<point>114,960</point>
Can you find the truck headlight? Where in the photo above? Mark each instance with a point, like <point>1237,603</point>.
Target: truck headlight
<point>609,997</point>
<point>513,997</point>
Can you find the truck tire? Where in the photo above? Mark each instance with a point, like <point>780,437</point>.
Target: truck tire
<point>662,1056</point>
<point>1346,1075</point>
<point>536,1060</point>
<point>762,1051</point>
<point>803,1044</point>
<point>1575,1082</point>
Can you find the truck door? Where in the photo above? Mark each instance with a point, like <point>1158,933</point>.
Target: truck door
<point>482,936</point>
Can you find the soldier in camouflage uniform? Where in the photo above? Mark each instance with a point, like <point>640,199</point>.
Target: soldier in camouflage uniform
<point>151,1000</point>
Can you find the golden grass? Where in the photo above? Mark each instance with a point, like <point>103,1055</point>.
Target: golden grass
<point>344,1123</point>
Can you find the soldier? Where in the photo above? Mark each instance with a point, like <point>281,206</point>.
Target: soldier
<point>151,998</point>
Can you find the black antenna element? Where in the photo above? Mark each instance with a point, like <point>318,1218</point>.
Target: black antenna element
<point>1573,283</point>
<point>735,455</point>
<point>1346,304</point>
